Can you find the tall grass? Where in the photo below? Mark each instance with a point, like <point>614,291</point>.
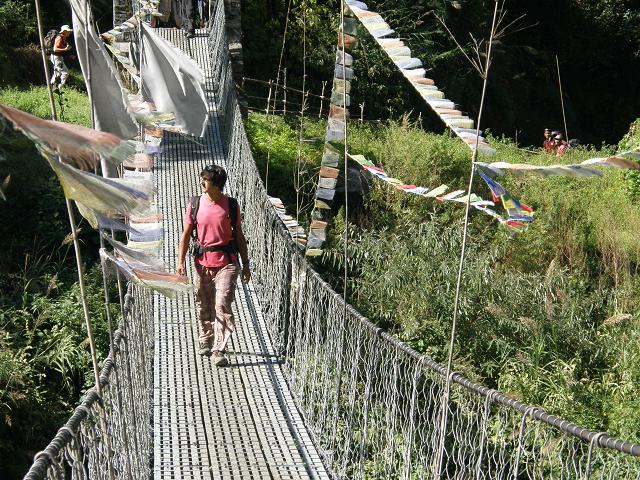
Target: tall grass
<point>72,104</point>
<point>550,317</point>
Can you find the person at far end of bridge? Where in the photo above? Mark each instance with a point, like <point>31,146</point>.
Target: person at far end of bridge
<point>212,222</point>
<point>61,47</point>
<point>548,143</point>
<point>560,145</point>
<point>186,11</point>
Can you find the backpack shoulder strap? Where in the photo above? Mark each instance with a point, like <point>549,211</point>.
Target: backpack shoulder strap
<point>233,214</point>
<point>195,205</point>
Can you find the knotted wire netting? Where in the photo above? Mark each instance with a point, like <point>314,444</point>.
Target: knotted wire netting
<point>108,436</point>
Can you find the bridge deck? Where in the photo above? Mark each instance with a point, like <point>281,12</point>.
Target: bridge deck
<point>238,422</point>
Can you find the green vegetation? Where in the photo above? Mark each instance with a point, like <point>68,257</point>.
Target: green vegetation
<point>549,317</point>
<point>45,363</point>
<point>72,105</point>
<point>597,68</point>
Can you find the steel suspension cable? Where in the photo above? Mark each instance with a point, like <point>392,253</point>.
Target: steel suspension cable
<point>463,250</point>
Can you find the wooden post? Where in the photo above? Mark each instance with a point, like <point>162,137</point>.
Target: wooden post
<point>284,97</point>
<point>269,97</point>
<point>47,77</point>
<point>324,84</point>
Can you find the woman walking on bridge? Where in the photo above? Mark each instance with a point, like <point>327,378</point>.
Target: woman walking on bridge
<point>212,221</point>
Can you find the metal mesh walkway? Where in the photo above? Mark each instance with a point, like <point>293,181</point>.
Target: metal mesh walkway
<point>238,422</point>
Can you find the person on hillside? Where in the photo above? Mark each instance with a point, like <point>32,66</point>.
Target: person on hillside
<point>61,47</point>
<point>560,145</point>
<point>547,144</point>
<point>216,247</point>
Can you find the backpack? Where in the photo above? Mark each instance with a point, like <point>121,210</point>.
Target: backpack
<point>49,41</point>
<point>196,248</point>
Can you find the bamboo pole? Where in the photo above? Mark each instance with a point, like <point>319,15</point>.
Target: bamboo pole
<point>93,125</point>
<point>74,229</point>
<point>269,98</point>
<point>564,118</point>
<point>446,396</point>
<point>83,297</point>
<point>345,237</point>
<point>284,98</point>
<point>324,84</point>
<point>45,66</point>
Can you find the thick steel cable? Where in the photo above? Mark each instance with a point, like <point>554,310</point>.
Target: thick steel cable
<point>463,250</point>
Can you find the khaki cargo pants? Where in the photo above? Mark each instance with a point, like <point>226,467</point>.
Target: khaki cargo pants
<point>215,291</point>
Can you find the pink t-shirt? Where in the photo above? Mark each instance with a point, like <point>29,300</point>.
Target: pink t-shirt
<point>214,228</point>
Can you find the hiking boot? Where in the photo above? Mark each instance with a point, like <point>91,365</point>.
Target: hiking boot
<point>204,349</point>
<point>219,359</point>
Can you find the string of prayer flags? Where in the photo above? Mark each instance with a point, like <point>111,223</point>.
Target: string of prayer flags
<point>519,215</point>
<point>78,145</point>
<point>140,161</point>
<point>128,253</point>
<point>174,82</point>
<point>439,193</point>
<point>412,69</point>
<point>582,169</point>
<point>108,99</point>
<point>106,223</point>
<point>165,283</point>
<point>146,113</point>
<point>107,196</point>
<point>146,232</point>
<point>336,132</point>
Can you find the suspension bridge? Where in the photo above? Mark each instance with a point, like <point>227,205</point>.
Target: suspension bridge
<point>313,389</point>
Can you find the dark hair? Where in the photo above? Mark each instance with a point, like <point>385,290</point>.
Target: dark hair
<point>215,174</point>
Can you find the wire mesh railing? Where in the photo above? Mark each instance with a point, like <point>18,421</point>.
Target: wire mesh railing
<point>109,436</point>
<point>373,404</point>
